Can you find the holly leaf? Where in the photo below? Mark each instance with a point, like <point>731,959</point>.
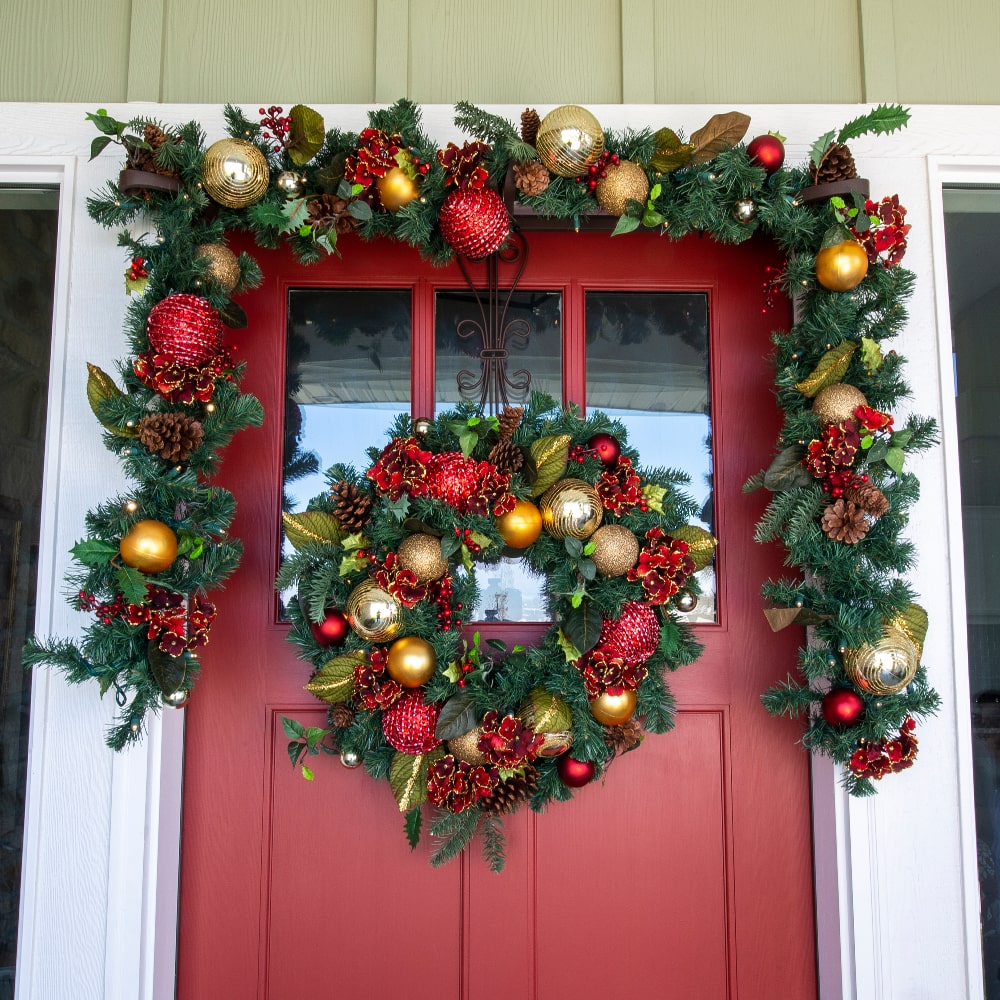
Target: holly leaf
<point>894,458</point>
<point>137,285</point>
<point>719,133</point>
<point>413,824</point>
<point>871,355</point>
<point>566,645</point>
<point>408,779</point>
<point>307,134</point>
<point>467,558</point>
<point>483,541</point>
<point>310,527</point>
<point>884,119</point>
<point>353,542</point>
<point>294,212</point>
<point>94,552</point>
<point>626,224</point>
<point>583,626</point>
<point>548,457</point>
<point>351,564</point>
<point>453,672</point>
<point>334,681</point>
<point>132,584</point>
<point>819,148</point>
<point>458,716</point>
<point>786,472</point>
<point>832,368</point>
<point>266,215</point>
<point>399,508</point>
<point>653,495</point>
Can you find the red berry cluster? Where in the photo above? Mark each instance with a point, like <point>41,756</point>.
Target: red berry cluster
<point>137,269</point>
<point>465,534</point>
<point>105,610</point>
<point>580,453</point>
<point>441,592</point>
<point>599,170</point>
<point>276,127</point>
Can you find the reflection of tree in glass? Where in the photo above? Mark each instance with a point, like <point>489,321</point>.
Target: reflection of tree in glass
<point>295,464</point>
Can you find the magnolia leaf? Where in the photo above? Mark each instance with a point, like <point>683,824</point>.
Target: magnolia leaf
<point>413,824</point>
<point>408,779</point>
<point>719,133</point>
<point>549,456</point>
<point>701,543</point>
<point>360,210</point>
<point>94,552</point>
<point>583,626</point>
<point>352,564</point>
<point>168,671</point>
<point>334,681</point>
<point>819,148</point>
<point>671,154</point>
<point>310,527</point>
<point>295,211</point>
<point>458,716</point>
<point>132,584</point>
<point>653,495</point>
<point>786,471</point>
<point>101,387</point>
<point>626,224</point>
<point>450,544</point>
<point>894,458</point>
<point>884,119</point>
<point>307,134</point>
<point>871,355</point>
<point>779,618</point>
<point>832,368</point>
<point>566,645</point>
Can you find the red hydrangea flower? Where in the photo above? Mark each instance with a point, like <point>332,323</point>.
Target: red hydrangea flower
<point>620,489</point>
<point>401,468</point>
<point>401,583</point>
<point>603,671</point>
<point>463,165</point>
<point>875,760</point>
<point>177,626</point>
<point>372,688</point>
<point>507,741</point>
<point>664,566</point>
<point>375,156</point>
<point>455,784</point>
<point>180,383</point>
<point>873,420</point>
<point>884,240</point>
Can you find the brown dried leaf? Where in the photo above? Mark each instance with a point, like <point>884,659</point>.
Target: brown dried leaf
<point>719,133</point>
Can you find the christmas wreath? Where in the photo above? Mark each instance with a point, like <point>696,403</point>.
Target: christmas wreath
<point>385,575</point>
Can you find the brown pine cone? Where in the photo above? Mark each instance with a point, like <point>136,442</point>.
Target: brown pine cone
<point>844,521</point>
<point>506,457</point>
<point>341,715</point>
<point>512,791</point>
<point>154,135</point>
<point>145,159</point>
<point>837,165</point>
<point>510,420</point>
<point>531,178</point>
<point>529,125</point>
<point>868,498</point>
<point>327,212</point>
<point>172,436</point>
<point>621,739</point>
<point>353,508</point>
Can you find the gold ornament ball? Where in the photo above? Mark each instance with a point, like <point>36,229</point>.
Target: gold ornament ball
<point>521,526</point>
<point>223,265</point>
<point>289,183</point>
<point>686,601</point>
<point>422,426</point>
<point>396,188</point>
<point>569,140</point>
<point>549,716</point>
<point>837,402</point>
<point>571,509</point>
<point>373,612</point>
<point>466,747</point>
<point>622,182</point>
<point>842,266</point>
<point>616,550</point>
<point>745,210</point>
<point>411,661</point>
<point>176,699</point>
<point>421,554</point>
<point>887,666</point>
<point>235,173</point>
<point>149,546</point>
<point>350,758</point>
<point>613,709</point>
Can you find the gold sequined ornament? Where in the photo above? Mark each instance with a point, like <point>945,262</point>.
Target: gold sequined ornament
<point>466,747</point>
<point>885,667</point>
<point>373,612</point>
<point>235,173</point>
<point>837,402</point>
<point>421,554</point>
<point>411,661</point>
<point>616,550</point>
<point>622,182</point>
<point>549,716</point>
<point>613,709</point>
<point>569,140</point>
<point>223,265</point>
<point>571,509</point>
<point>289,183</point>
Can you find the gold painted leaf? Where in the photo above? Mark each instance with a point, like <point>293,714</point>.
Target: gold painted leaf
<point>830,370</point>
<point>334,681</point>
<point>914,622</point>
<point>671,154</point>
<point>408,778</point>
<point>719,133</point>
<point>701,543</point>
<point>307,134</point>
<point>311,526</point>
<point>549,456</point>
<point>547,712</point>
<point>100,387</point>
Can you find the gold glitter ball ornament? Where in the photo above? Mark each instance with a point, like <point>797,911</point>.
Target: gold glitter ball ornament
<point>887,666</point>
<point>613,709</point>
<point>569,140</point>
<point>421,554</point>
<point>616,550</point>
<point>235,173</point>
<point>571,509</point>
<point>622,182</point>
<point>837,402</point>
<point>223,265</point>
<point>411,661</point>
<point>373,612</point>
<point>466,747</point>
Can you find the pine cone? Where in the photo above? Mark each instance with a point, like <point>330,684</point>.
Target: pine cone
<point>529,125</point>
<point>353,508</point>
<point>510,420</point>
<point>172,436</point>
<point>506,457</point>
<point>868,498</point>
<point>621,739</point>
<point>510,793</point>
<point>330,212</point>
<point>844,521</point>
<point>154,135</point>
<point>145,159</point>
<point>531,178</point>
<point>837,165</point>
<point>341,715</point>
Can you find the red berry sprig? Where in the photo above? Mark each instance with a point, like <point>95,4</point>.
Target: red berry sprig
<point>466,536</point>
<point>599,170</point>
<point>276,127</point>
<point>137,269</point>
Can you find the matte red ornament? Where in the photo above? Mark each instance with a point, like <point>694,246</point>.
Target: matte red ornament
<point>633,636</point>
<point>843,707</point>
<point>575,773</point>
<point>767,151</point>
<point>185,327</point>
<point>332,630</point>
<point>475,223</point>
<point>608,448</point>
<point>409,724</point>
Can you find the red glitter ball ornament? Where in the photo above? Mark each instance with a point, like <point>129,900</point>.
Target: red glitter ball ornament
<point>185,327</point>
<point>575,773</point>
<point>332,630</point>
<point>474,222</point>
<point>409,725</point>
<point>843,707</point>
<point>633,636</point>
<point>607,446</point>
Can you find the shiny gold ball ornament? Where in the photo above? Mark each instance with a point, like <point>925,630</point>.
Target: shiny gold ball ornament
<point>841,266</point>
<point>569,140</point>
<point>745,210</point>
<point>837,402</point>
<point>421,554</point>
<point>289,183</point>
<point>613,709</point>
<point>622,182</point>
<point>373,612</point>
<point>466,747</point>
<point>350,758</point>
<point>411,661</point>
<point>521,526</point>
<point>223,265</point>
<point>422,426</point>
<point>887,666</point>
<point>396,188</point>
<point>616,550</point>
<point>235,173</point>
<point>571,509</point>
<point>149,546</point>
<point>549,716</point>
<point>685,601</point>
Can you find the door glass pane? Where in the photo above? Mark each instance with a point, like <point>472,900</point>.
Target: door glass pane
<point>27,248</point>
<point>971,220</point>
<point>648,366</point>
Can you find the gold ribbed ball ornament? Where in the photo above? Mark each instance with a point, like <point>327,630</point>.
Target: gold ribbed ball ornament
<point>373,612</point>
<point>396,188</point>
<point>613,709</point>
<point>837,402</point>
<point>223,265</point>
<point>622,182</point>
<point>571,509</point>
<point>421,554</point>
<point>235,173</point>
<point>569,140</point>
<point>616,550</point>
<point>149,546</point>
<point>548,715</point>
<point>887,666</point>
<point>411,661</point>
<point>521,526</point>
<point>466,747</point>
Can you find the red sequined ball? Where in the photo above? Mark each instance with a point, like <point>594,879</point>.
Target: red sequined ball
<point>409,725</point>
<point>186,327</point>
<point>633,636</point>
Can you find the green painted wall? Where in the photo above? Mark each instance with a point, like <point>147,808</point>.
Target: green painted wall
<point>439,51</point>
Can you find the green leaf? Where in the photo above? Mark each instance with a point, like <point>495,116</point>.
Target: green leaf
<point>878,451</point>
<point>98,145</point>
<point>453,672</point>
<point>334,681</point>
<point>295,211</point>
<point>353,542</point>
<point>900,439</point>
<point>653,495</point>
<point>480,539</point>
<point>588,569</point>
<point>351,564</point>
<point>132,584</point>
<point>819,148</point>
<point>292,728</point>
<point>576,599</point>
<point>105,123</point>
<point>414,823</point>
<point>458,716</point>
<point>626,224</point>
<point>408,780</point>
<point>450,544</point>
<point>361,210</point>
<point>549,456</point>
<point>884,119</point>
<point>94,552</point>
<point>566,645</point>
<point>786,471</point>
<point>295,751</point>
<point>573,546</point>
<point>310,527</point>
<point>307,772</point>
<point>583,626</point>
<point>651,218</point>
<point>591,547</point>
<point>314,735</point>
<point>344,190</point>
<point>871,355</point>
<point>894,458</point>
<point>654,192</point>
<point>468,440</point>
<point>307,134</point>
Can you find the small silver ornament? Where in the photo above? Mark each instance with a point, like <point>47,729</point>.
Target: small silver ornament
<point>686,601</point>
<point>176,699</point>
<point>421,427</point>
<point>350,758</point>
<point>745,210</point>
<point>290,183</point>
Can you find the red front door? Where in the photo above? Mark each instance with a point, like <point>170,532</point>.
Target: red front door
<point>686,874</point>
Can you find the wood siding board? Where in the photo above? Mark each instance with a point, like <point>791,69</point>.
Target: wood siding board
<point>145,50</point>
<point>877,42</point>
<point>392,35</point>
<point>638,52</point>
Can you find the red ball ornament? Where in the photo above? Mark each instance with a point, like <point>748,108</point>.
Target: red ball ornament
<point>332,630</point>
<point>185,327</point>
<point>607,446</point>
<point>767,151</point>
<point>633,636</point>
<point>410,723</point>
<point>474,222</point>
<point>575,773</point>
<point>843,707</point>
